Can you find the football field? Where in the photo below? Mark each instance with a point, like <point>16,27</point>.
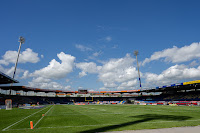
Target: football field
<point>97,118</point>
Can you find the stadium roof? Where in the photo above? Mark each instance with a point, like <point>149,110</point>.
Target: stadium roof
<point>26,89</point>
<point>5,79</point>
<point>174,87</point>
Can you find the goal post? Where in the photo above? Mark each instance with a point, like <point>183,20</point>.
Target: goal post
<point>8,103</point>
<point>88,99</point>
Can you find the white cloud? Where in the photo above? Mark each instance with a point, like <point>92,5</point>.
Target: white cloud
<point>67,88</point>
<point>193,63</point>
<point>80,87</point>
<point>82,74</point>
<point>90,67</point>
<point>46,85</point>
<point>176,55</point>
<point>108,38</point>
<point>95,55</point>
<point>26,74</point>
<point>128,85</point>
<point>172,75</point>
<point>102,88</point>
<point>118,71</point>
<point>83,48</point>
<point>40,80</point>
<point>9,71</point>
<point>56,70</point>
<point>112,73</point>
<point>4,62</point>
<point>26,56</point>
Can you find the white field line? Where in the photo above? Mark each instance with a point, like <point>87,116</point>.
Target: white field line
<point>22,120</point>
<point>101,125</point>
<point>42,117</point>
<point>90,113</point>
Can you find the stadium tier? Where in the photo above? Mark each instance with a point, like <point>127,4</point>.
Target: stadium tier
<point>186,91</point>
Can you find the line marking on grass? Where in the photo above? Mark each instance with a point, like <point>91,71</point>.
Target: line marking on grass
<point>22,120</point>
<point>90,113</point>
<point>42,117</point>
<point>100,125</point>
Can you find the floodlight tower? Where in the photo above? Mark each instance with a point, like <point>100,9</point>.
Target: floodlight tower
<point>21,41</point>
<point>136,53</point>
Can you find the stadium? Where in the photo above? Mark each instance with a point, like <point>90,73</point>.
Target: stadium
<point>85,111</point>
<point>98,66</point>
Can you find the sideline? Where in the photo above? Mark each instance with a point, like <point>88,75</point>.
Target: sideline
<point>22,119</point>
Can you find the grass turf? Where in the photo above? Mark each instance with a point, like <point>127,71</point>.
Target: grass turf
<point>98,118</point>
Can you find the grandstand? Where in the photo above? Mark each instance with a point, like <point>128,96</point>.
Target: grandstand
<point>186,91</point>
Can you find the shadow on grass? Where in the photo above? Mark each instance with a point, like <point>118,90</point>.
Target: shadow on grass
<point>144,118</point>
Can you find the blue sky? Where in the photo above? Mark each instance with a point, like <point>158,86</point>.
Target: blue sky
<point>89,44</point>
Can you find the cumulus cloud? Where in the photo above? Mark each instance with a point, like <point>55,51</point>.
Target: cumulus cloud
<point>173,74</point>
<point>83,48</point>
<point>26,74</point>
<point>26,56</point>
<point>55,69</point>
<point>112,73</point>
<point>176,55</point>
<point>45,83</point>
<point>118,72</point>
<point>40,80</point>
<point>9,71</point>
<point>89,67</point>
<point>130,84</point>
<point>82,74</point>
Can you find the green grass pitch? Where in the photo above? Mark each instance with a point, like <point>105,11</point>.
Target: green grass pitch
<point>97,118</point>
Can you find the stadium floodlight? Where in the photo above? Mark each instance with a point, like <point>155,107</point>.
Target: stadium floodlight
<point>136,54</point>
<point>21,41</point>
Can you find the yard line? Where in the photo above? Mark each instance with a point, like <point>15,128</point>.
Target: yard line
<point>22,119</point>
<point>90,113</point>
<point>42,117</point>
